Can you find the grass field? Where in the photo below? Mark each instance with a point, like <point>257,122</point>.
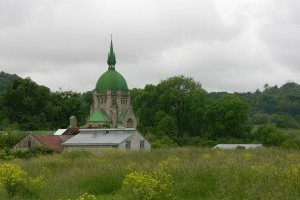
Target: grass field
<point>195,173</point>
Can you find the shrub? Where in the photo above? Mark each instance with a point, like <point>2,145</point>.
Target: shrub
<point>12,178</point>
<point>6,154</point>
<point>148,185</point>
<point>15,181</point>
<point>164,142</point>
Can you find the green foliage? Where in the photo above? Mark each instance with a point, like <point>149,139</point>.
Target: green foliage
<point>227,117</point>
<point>9,154</point>
<point>15,181</point>
<point>174,107</point>
<point>282,121</point>
<point>280,105</point>
<point>5,79</point>
<point>177,111</point>
<point>269,135</point>
<point>12,178</point>
<point>148,185</point>
<point>9,139</point>
<point>6,154</point>
<point>196,173</point>
<point>28,106</point>
<point>163,142</point>
<point>76,154</point>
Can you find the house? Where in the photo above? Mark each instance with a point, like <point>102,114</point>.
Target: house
<point>89,139</point>
<point>49,141</point>
<point>238,146</point>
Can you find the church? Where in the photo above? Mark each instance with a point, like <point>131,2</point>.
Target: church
<point>111,106</point>
<point>111,122</point>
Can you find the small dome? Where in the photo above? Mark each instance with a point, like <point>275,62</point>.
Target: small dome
<point>111,80</point>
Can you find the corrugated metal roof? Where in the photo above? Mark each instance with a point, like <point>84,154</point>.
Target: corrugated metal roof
<point>234,146</point>
<point>100,137</point>
<point>50,141</point>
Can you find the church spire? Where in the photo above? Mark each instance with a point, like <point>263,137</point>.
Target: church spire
<point>111,59</point>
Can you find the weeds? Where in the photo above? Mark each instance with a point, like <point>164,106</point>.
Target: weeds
<point>187,173</point>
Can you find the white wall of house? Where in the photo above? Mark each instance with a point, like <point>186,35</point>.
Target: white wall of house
<point>135,143</point>
<point>88,147</point>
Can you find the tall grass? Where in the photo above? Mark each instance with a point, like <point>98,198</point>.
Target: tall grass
<point>197,173</point>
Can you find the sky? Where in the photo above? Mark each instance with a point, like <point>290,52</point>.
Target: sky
<point>226,45</point>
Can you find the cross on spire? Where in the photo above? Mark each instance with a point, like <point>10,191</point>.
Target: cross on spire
<point>111,59</point>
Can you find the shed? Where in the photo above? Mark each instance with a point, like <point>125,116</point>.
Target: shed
<point>238,146</point>
<point>49,141</point>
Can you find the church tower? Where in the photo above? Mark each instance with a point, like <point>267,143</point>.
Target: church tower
<point>111,106</point>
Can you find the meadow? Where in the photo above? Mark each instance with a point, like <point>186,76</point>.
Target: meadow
<point>178,173</point>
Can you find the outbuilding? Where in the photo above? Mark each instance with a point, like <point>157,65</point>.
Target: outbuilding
<point>49,141</point>
<point>238,146</point>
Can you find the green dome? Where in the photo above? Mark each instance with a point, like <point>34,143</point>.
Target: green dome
<point>111,80</point>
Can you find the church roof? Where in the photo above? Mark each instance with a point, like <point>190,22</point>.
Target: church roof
<point>111,80</point>
<point>121,115</point>
<point>98,116</point>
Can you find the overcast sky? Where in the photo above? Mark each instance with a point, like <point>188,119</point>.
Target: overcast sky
<point>226,45</point>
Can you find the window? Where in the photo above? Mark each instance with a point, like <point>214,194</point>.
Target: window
<point>29,144</point>
<point>128,144</point>
<point>129,123</point>
<point>142,144</point>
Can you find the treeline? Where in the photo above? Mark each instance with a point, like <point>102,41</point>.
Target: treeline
<point>277,105</point>
<point>177,111</point>
<point>28,106</point>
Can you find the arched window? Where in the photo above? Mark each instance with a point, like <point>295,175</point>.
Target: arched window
<point>129,123</point>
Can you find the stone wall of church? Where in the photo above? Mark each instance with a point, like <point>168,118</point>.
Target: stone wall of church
<point>113,104</point>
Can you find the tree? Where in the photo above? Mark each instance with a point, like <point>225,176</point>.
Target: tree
<point>227,117</point>
<point>183,99</point>
<point>24,102</point>
<point>29,106</point>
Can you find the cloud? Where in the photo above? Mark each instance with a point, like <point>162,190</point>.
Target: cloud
<point>237,45</point>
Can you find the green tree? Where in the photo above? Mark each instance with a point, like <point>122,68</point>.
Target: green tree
<point>269,135</point>
<point>183,99</point>
<point>227,117</point>
<point>24,102</point>
<point>28,106</point>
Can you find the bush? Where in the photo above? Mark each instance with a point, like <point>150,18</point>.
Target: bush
<point>164,142</point>
<point>269,135</point>
<point>32,152</point>
<point>15,181</point>
<point>148,185</point>
<point>6,154</point>
<point>12,178</point>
